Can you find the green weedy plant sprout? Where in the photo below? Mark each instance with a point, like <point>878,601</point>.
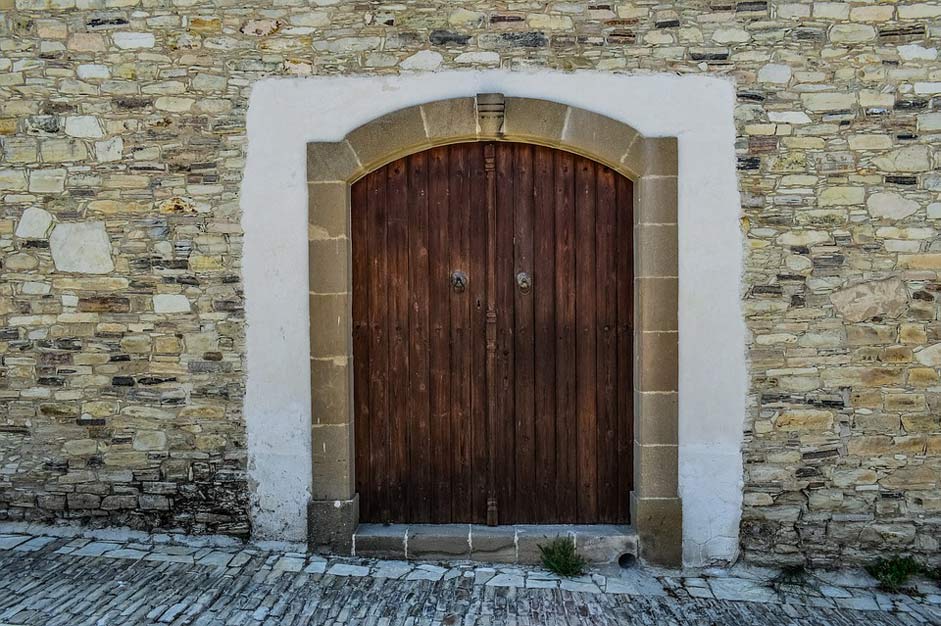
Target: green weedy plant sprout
<point>893,573</point>
<point>559,557</point>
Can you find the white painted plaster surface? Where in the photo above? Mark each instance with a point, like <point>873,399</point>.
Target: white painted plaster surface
<point>285,114</point>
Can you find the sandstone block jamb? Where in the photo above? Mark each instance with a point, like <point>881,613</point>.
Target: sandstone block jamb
<point>333,510</point>
<point>81,247</point>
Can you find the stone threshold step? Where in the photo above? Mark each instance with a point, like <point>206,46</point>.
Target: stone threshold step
<point>597,543</point>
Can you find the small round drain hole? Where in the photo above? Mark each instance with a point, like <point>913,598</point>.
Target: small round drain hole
<point>627,560</point>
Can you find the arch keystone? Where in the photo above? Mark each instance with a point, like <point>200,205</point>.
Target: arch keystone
<point>491,113</point>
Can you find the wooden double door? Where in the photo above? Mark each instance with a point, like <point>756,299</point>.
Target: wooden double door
<point>492,337</point>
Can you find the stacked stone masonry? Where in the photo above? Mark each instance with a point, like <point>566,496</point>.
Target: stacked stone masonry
<point>122,125</point>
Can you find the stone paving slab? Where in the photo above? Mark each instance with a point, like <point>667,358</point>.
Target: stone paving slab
<point>72,580</point>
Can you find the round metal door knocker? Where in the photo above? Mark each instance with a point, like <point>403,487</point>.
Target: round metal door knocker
<point>524,281</point>
<point>458,281</point>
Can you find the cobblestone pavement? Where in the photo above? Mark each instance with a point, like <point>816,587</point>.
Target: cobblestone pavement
<point>108,578</point>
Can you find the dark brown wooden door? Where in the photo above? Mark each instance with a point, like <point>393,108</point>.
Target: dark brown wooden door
<point>492,337</point>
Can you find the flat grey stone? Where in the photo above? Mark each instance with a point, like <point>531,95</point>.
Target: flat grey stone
<point>636,586</point>
<point>169,557</point>
<point>454,572</point>
<point>751,572</point>
<point>426,572</point>
<point>342,569</point>
<point>171,303</point>
<point>392,569</point>
<point>81,247</point>
<point>96,548</point>
<point>927,587</point>
<point>888,604</point>
<point>699,592</point>
<point>581,585</point>
<point>741,589</point>
<point>861,604</point>
<point>818,602</point>
<point>126,553</point>
<point>483,574</point>
<point>613,585</point>
<point>34,224</point>
<point>290,564</point>
<point>175,550</point>
<point>643,583</point>
<point>541,583</point>
<point>847,578</point>
<point>279,546</point>
<point>506,580</point>
<point>8,542</point>
<point>830,591</point>
<point>240,559</point>
<point>437,569</point>
<point>216,558</point>
<point>122,535</point>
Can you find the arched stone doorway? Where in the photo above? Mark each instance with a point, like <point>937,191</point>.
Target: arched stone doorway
<point>651,163</point>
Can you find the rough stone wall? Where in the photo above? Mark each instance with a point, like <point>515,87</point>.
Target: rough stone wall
<point>121,333</point>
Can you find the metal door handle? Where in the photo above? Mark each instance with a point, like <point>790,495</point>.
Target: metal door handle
<point>458,281</point>
<point>524,281</point>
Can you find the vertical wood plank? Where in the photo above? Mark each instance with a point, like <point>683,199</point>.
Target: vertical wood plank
<point>607,345</point>
<point>360,277</point>
<point>378,347</point>
<point>544,334</point>
<point>625,339</point>
<point>398,286</point>
<point>566,409</point>
<point>585,342</point>
<point>418,496</point>
<point>505,284</point>
<point>477,294</point>
<point>461,358</point>
<point>525,452</point>
<point>439,311</point>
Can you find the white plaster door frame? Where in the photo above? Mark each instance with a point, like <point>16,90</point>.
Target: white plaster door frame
<point>285,114</point>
